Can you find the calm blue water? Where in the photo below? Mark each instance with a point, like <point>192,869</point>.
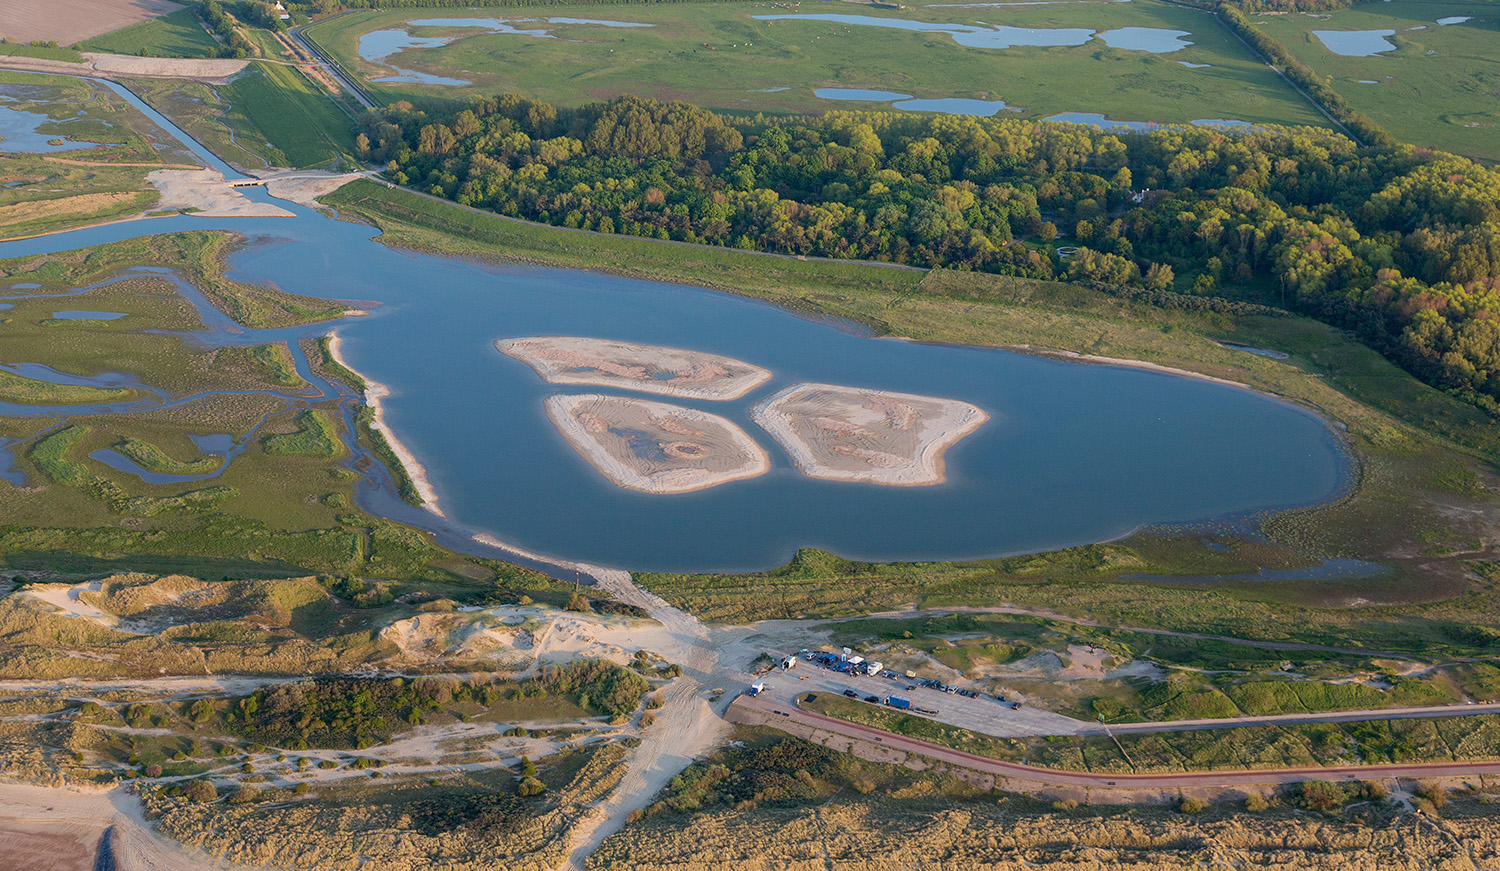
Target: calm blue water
<point>1152,39</point>
<point>88,316</point>
<point>18,133</point>
<point>948,105</point>
<point>1093,119</point>
<point>378,45</point>
<point>1193,66</point>
<point>1455,19</point>
<point>1072,454</point>
<point>1356,43</point>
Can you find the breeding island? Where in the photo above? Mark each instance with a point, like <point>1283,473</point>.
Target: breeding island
<point>655,447</point>
<point>873,436</point>
<point>647,368</point>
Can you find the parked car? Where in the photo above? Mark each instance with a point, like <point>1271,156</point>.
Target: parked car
<point>851,694</point>
<point>874,700</point>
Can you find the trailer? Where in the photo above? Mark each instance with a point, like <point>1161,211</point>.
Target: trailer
<point>789,663</point>
<point>898,703</point>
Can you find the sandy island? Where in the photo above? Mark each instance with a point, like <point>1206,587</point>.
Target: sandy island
<point>647,368</point>
<point>374,393</point>
<point>655,447</point>
<point>872,436</point>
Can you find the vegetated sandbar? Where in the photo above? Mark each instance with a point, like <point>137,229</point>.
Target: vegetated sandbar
<point>647,368</point>
<point>872,436</point>
<point>655,447</point>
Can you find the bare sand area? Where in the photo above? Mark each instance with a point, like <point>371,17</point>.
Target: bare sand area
<point>647,368</point>
<point>375,392</point>
<point>70,21</point>
<point>57,829</point>
<point>872,436</point>
<point>304,188</point>
<point>208,192</point>
<point>215,71</point>
<point>655,447</point>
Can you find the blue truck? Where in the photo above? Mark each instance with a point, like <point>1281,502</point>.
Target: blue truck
<point>898,702</point>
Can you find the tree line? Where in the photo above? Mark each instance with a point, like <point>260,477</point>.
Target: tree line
<point>1400,244</point>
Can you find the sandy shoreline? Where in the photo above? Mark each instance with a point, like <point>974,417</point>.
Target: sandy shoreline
<point>634,366</point>
<point>374,393</point>
<point>698,450</point>
<point>839,433</point>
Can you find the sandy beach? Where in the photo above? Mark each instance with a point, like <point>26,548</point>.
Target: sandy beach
<point>655,447</point>
<point>841,433</point>
<point>647,368</point>
<point>374,393</point>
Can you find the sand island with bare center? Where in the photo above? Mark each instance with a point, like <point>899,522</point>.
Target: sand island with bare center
<point>656,447</point>
<point>872,436</point>
<point>633,366</point>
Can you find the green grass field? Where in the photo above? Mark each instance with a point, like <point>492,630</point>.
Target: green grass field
<point>177,34</point>
<point>1440,86</point>
<point>271,115</point>
<point>717,56</point>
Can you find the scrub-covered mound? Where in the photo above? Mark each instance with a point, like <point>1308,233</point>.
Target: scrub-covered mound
<point>874,436</point>
<point>647,368</point>
<point>655,447</point>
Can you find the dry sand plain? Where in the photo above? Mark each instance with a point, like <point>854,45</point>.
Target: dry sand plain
<point>647,368</point>
<point>655,447</point>
<point>70,21</point>
<point>872,436</point>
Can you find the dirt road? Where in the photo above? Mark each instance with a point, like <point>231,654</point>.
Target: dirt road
<point>776,713</point>
<point>214,71</point>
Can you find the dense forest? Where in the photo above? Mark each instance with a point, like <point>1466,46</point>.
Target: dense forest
<point>1399,244</point>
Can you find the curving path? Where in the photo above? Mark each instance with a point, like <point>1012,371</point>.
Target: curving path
<point>756,710</point>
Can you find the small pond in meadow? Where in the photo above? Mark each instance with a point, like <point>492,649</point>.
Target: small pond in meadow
<point>1356,43</point>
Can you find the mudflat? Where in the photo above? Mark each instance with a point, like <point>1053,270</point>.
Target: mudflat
<point>872,436</point>
<point>647,368</point>
<point>656,447</point>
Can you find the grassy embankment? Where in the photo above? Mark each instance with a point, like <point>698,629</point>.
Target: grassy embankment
<point>271,115</point>
<point>717,56</point>
<point>1423,454</point>
<point>1324,744</point>
<point>1435,88</point>
<point>284,507</point>
<point>176,34</point>
<point>44,193</point>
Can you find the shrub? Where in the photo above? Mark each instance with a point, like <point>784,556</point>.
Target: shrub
<point>1192,805</point>
<point>201,791</point>
<point>530,786</point>
<point>1322,796</point>
<point>1255,802</point>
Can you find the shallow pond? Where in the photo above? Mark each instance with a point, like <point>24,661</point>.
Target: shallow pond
<point>19,134</point>
<point>1356,43</point>
<point>1150,39</point>
<point>947,105</point>
<point>378,45</point>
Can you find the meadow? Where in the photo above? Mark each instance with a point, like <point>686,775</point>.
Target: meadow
<point>717,56</point>
<point>270,115</point>
<point>1437,88</point>
<point>176,34</point>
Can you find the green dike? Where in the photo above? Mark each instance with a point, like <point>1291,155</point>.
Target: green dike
<point>302,124</point>
<point>29,391</point>
<point>1421,452</point>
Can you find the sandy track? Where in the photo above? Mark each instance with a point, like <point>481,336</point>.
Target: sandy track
<point>686,726</point>
<point>216,71</point>
<point>208,192</point>
<point>70,21</point>
<point>69,826</point>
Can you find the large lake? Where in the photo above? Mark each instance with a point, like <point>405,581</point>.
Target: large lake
<point>1073,454</point>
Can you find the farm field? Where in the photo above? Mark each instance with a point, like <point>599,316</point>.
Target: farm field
<point>718,56</point>
<point>270,115</point>
<point>178,34</point>
<point>1438,87</point>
